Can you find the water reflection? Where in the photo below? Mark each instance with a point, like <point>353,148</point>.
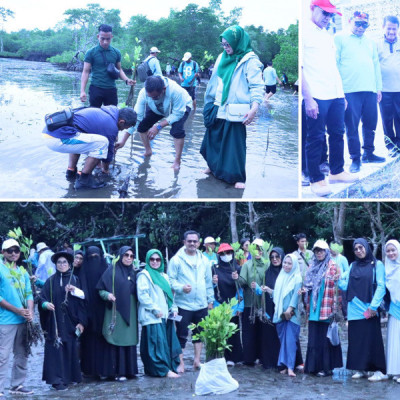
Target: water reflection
<point>29,90</point>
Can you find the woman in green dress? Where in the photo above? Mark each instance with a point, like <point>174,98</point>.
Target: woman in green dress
<point>236,85</point>
<point>117,287</point>
<point>159,345</point>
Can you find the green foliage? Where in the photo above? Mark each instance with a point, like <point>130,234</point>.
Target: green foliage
<point>287,59</point>
<point>216,329</point>
<point>266,250</point>
<point>239,253</point>
<point>64,58</point>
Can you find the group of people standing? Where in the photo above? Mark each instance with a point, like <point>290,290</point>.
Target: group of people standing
<point>90,311</point>
<point>233,95</point>
<point>345,77</point>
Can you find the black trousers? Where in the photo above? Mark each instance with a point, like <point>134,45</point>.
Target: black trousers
<point>100,96</point>
<point>390,112</point>
<point>361,106</point>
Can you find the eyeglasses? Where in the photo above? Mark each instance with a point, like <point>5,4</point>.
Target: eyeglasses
<point>225,45</point>
<point>62,262</point>
<point>319,251</point>
<point>274,257</point>
<point>127,255</point>
<point>192,241</point>
<point>326,13</point>
<point>10,251</point>
<point>361,24</point>
<point>155,259</point>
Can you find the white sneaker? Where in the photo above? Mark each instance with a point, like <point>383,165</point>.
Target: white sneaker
<point>398,380</point>
<point>120,378</point>
<point>395,377</point>
<point>378,376</point>
<point>230,363</point>
<point>358,375</point>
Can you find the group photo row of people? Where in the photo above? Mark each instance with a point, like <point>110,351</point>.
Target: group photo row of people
<point>90,310</point>
<point>236,88</point>
<point>347,75</point>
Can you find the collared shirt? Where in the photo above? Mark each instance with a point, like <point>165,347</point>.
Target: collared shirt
<point>174,103</point>
<point>358,63</point>
<point>389,59</point>
<point>319,63</point>
<point>94,57</point>
<point>269,76</point>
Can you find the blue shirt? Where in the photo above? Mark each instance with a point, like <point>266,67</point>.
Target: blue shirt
<point>356,307</point>
<point>358,63</point>
<point>394,310</point>
<point>314,314</point>
<point>342,262</point>
<point>188,71</point>
<point>12,291</point>
<point>154,65</point>
<point>269,76</point>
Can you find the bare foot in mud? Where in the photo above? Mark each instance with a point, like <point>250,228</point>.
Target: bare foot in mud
<point>181,368</point>
<point>240,185</point>
<point>171,374</point>
<point>207,171</point>
<point>291,372</point>
<point>176,166</point>
<point>283,372</point>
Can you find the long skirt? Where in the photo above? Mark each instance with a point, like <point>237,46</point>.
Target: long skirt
<point>366,352</point>
<point>159,348</point>
<point>92,349</point>
<point>251,338</point>
<point>393,346</point>
<point>61,365</point>
<point>224,149</point>
<point>236,352</point>
<point>288,333</point>
<point>321,355</point>
<point>119,361</point>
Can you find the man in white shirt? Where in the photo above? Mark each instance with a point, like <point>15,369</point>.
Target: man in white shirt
<point>323,98</point>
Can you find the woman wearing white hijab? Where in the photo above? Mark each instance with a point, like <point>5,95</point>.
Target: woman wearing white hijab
<point>392,271</point>
<point>286,299</point>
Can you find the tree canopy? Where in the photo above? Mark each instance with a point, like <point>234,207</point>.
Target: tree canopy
<point>194,28</point>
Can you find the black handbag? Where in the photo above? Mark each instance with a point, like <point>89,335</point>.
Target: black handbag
<point>112,70</point>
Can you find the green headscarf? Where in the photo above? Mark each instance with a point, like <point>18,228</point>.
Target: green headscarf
<point>157,278</point>
<point>239,40</point>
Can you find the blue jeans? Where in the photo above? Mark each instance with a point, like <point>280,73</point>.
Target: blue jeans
<point>330,118</point>
<point>361,106</point>
<point>390,112</point>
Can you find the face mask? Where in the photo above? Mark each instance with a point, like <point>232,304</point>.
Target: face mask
<point>226,258</point>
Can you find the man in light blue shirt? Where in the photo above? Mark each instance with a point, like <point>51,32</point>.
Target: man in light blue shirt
<point>153,62</point>
<point>358,63</point>
<point>16,309</point>
<point>190,275</point>
<point>160,103</point>
<point>188,72</point>
<point>389,59</point>
<point>270,77</point>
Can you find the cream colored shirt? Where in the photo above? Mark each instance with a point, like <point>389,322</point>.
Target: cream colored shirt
<point>319,63</point>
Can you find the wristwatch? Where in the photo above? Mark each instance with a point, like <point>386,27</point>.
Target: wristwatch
<point>159,127</point>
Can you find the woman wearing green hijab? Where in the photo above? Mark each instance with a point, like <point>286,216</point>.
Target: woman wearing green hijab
<point>159,345</point>
<point>236,85</point>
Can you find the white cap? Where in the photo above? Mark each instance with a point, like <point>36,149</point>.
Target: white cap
<point>187,56</point>
<point>320,244</point>
<point>7,244</point>
<point>154,50</point>
<point>209,239</point>
<point>258,242</point>
<point>40,246</point>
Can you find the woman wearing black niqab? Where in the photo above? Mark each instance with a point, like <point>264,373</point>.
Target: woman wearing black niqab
<point>117,287</point>
<point>92,340</point>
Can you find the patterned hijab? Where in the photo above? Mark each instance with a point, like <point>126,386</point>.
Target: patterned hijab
<point>239,40</point>
<point>315,274</point>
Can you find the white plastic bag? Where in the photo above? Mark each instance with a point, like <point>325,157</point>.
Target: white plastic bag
<point>214,378</point>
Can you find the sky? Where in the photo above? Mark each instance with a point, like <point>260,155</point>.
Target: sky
<point>44,14</point>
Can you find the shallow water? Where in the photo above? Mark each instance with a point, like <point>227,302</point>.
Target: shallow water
<point>29,170</point>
